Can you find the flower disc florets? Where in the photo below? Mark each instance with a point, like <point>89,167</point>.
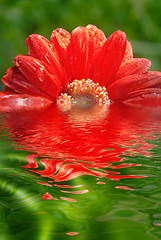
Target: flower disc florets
<point>83,93</point>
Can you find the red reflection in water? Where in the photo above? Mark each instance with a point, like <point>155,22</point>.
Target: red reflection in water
<point>46,184</point>
<point>72,233</point>
<point>125,188</point>
<point>67,186</point>
<point>76,192</point>
<point>47,196</point>
<point>68,199</point>
<point>101,182</point>
<point>83,143</point>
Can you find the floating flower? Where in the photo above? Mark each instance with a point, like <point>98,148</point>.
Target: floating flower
<point>83,69</point>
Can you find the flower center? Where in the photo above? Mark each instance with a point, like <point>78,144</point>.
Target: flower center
<point>83,94</point>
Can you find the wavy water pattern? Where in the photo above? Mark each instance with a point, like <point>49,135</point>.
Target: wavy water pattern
<point>72,146</point>
<point>65,176</point>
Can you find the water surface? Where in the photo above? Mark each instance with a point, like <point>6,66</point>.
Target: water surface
<point>80,175</point>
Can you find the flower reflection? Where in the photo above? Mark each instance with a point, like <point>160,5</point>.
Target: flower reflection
<point>85,147</point>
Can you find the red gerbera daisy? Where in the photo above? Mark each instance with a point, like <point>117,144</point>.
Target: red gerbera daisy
<point>81,66</point>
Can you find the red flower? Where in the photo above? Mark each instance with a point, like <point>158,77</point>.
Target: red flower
<point>83,54</point>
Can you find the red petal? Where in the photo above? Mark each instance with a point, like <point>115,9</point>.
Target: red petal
<point>149,96</point>
<point>119,90</point>
<point>128,53</point>
<point>97,40</point>
<point>40,48</point>
<point>60,40</point>
<point>154,80</point>
<point>7,92</point>
<point>22,101</point>
<point>142,92</point>
<point>135,66</point>
<point>39,74</point>
<point>85,44</point>
<point>15,80</point>
<point>110,58</point>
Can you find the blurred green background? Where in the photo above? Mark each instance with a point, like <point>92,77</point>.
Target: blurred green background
<point>139,19</point>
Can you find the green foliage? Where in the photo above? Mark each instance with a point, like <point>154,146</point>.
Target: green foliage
<point>140,19</point>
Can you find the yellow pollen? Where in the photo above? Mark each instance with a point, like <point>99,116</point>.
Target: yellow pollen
<point>83,93</point>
